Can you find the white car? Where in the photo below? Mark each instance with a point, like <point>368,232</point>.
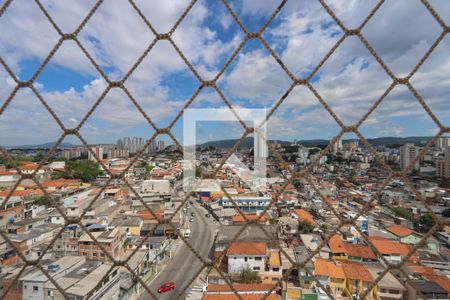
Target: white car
<point>187,233</point>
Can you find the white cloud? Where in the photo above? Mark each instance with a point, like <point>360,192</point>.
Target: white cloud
<point>301,35</point>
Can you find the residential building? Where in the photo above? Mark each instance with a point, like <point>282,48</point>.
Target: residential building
<point>245,292</point>
<point>98,150</point>
<point>242,255</point>
<point>409,152</point>
<point>113,241</point>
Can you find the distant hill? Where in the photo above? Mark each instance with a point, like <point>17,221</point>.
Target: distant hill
<point>42,146</point>
<point>387,141</point>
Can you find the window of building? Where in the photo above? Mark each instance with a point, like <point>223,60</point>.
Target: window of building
<point>35,288</point>
<point>276,269</point>
<point>94,254</point>
<point>245,258</point>
<point>84,254</point>
<point>383,290</point>
<point>258,258</point>
<point>50,293</point>
<point>256,268</point>
<point>394,292</point>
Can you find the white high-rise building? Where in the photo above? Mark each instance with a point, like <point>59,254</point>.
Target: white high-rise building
<point>408,152</point>
<point>442,143</point>
<point>161,145</point>
<point>337,146</point>
<point>443,165</point>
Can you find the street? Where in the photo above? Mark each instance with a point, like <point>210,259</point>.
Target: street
<point>185,265</point>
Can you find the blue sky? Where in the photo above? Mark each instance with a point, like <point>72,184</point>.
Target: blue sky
<point>350,81</point>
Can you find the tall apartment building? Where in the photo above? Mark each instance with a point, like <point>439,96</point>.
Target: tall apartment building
<point>337,146</point>
<point>133,145</point>
<point>70,153</point>
<point>442,143</point>
<point>161,145</point>
<point>118,153</point>
<point>408,152</point>
<point>98,150</point>
<point>443,165</point>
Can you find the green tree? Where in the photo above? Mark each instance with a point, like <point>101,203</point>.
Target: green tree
<point>446,213</point>
<point>324,228</point>
<point>425,222</point>
<point>402,212</point>
<point>305,227</point>
<point>41,200</point>
<point>83,169</point>
<point>250,276</point>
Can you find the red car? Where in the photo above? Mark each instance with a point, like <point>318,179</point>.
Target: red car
<point>167,286</point>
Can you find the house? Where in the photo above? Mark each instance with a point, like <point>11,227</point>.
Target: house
<point>113,241</point>
<point>242,255</point>
<point>405,235</point>
<point>132,224</point>
<point>303,216</point>
<point>137,263</point>
<point>358,279</point>
<point>61,185</point>
<point>245,292</point>
<point>273,272</point>
<point>392,251</point>
<point>389,287</point>
<point>331,275</point>
<point>239,219</point>
<point>429,289</point>
<point>349,251</point>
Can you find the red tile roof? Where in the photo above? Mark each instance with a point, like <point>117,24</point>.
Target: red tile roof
<point>240,218</point>
<point>240,287</point>
<point>247,248</point>
<point>21,193</point>
<point>328,268</point>
<point>399,230</point>
<point>388,247</point>
<point>357,250</point>
<point>336,244</point>
<point>303,215</point>
<point>357,271</point>
<point>256,296</point>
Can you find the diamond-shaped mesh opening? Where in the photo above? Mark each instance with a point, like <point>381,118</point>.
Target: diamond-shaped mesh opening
<point>313,234</point>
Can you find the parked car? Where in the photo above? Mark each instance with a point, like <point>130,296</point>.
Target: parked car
<point>191,220</point>
<point>167,286</point>
<point>187,233</point>
<point>207,215</point>
<point>192,214</point>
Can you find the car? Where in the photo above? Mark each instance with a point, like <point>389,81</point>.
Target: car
<point>191,202</point>
<point>207,215</point>
<point>192,214</point>
<point>191,220</point>
<point>187,233</point>
<point>166,286</point>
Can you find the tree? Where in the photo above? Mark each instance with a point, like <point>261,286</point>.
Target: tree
<point>402,212</point>
<point>446,213</point>
<point>85,170</point>
<point>250,276</point>
<point>305,227</point>
<point>324,228</point>
<point>41,200</point>
<point>425,222</point>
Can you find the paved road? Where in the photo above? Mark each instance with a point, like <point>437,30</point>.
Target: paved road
<point>185,264</point>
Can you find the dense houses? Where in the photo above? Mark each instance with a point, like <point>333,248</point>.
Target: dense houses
<point>337,234</point>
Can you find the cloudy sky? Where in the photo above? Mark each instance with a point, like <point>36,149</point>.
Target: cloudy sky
<point>301,35</point>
